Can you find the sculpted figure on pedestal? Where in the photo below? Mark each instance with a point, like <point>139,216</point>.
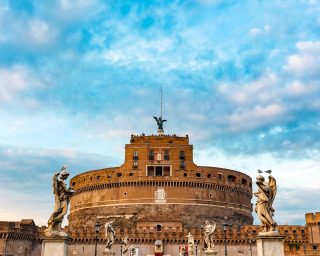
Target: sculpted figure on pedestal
<point>125,247</point>
<point>209,228</point>
<point>160,122</point>
<point>191,245</point>
<point>110,235</point>
<point>133,250</point>
<point>265,197</point>
<point>62,196</point>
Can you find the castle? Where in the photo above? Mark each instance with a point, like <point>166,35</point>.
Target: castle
<point>160,194</point>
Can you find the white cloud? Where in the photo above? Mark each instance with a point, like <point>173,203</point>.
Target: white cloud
<point>15,80</point>
<point>260,31</point>
<point>306,61</point>
<point>40,32</point>
<point>260,115</point>
<point>259,90</point>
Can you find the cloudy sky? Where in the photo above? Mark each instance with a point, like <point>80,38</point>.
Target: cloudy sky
<point>78,77</point>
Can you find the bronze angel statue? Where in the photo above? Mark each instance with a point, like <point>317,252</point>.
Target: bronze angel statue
<point>62,197</point>
<point>160,122</point>
<point>265,197</point>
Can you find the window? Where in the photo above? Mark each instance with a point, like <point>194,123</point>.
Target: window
<point>231,178</point>
<point>185,174</point>
<point>220,175</point>
<point>150,170</point>
<point>198,174</point>
<point>135,164</point>
<point>182,164</point>
<point>158,228</point>
<point>166,171</point>
<point>158,170</point>
<point>182,155</point>
<point>119,174</point>
<point>209,175</point>
<point>166,155</point>
<point>159,156</point>
<point>130,174</point>
<point>135,155</point>
<point>151,155</point>
<point>244,182</point>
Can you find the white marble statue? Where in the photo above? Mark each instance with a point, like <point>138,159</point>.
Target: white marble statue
<point>191,245</point>
<point>265,197</point>
<point>109,234</point>
<point>133,250</point>
<point>62,196</point>
<point>125,247</point>
<point>182,250</point>
<point>209,228</point>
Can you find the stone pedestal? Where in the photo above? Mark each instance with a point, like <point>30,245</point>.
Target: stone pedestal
<point>57,246</point>
<point>109,253</point>
<point>210,253</point>
<point>270,244</point>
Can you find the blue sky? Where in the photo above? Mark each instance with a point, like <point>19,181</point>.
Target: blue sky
<point>78,77</point>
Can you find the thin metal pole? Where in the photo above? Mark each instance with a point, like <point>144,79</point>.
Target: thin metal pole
<point>225,243</point>
<point>95,248</point>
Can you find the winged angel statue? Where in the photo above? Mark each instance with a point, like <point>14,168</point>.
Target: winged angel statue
<point>62,197</point>
<point>209,227</point>
<point>265,197</point>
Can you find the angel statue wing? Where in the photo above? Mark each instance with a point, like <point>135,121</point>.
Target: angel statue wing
<point>55,183</point>
<point>273,189</point>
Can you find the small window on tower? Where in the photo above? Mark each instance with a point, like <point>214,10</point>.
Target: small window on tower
<point>182,164</point>
<point>135,164</point>
<point>151,155</point>
<point>166,155</point>
<point>182,155</point>
<point>135,155</point>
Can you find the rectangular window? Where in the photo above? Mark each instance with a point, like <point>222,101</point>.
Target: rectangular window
<point>166,155</point>
<point>159,157</point>
<point>166,171</point>
<point>182,155</point>
<point>220,176</point>
<point>158,170</point>
<point>135,164</point>
<point>182,164</point>
<point>151,155</point>
<point>150,170</point>
<point>135,155</point>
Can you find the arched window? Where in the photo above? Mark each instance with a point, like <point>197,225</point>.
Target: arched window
<point>158,228</point>
<point>231,178</point>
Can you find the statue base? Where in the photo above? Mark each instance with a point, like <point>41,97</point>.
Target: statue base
<point>210,253</point>
<point>56,246</point>
<point>160,132</point>
<point>270,244</point>
<point>109,253</point>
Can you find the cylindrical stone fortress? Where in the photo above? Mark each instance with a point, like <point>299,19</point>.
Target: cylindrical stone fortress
<point>159,186</point>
